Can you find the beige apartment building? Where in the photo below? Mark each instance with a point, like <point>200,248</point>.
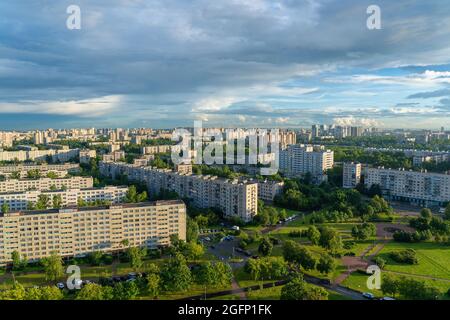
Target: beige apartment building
<point>18,185</point>
<point>79,231</point>
<point>22,200</point>
<point>268,190</point>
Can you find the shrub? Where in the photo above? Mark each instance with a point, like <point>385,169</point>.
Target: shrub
<point>407,256</point>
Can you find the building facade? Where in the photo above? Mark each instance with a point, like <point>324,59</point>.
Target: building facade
<point>268,190</point>
<point>417,187</point>
<point>18,185</point>
<point>297,160</point>
<point>79,231</point>
<point>234,198</point>
<point>23,200</point>
<point>351,174</point>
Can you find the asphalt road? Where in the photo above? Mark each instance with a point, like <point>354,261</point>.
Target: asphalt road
<point>224,251</point>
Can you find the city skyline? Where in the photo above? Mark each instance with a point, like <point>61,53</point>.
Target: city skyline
<point>164,64</point>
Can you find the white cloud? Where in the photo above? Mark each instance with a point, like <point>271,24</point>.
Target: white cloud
<point>83,108</point>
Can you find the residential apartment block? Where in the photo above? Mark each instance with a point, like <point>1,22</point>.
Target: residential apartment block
<point>22,200</point>
<point>351,174</point>
<point>76,232</point>
<point>64,155</point>
<point>268,190</point>
<point>418,187</point>
<point>43,168</point>
<point>234,198</point>
<point>18,185</point>
<point>299,159</point>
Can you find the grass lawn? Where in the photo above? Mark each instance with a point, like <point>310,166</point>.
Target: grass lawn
<point>434,259</point>
<point>265,294</point>
<point>227,297</point>
<point>244,280</point>
<point>357,281</point>
<point>274,293</point>
<point>193,291</point>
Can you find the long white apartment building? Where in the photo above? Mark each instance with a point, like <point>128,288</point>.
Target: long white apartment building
<point>32,155</point>
<point>418,187</point>
<point>18,185</point>
<point>75,232</point>
<point>234,198</point>
<point>69,167</point>
<point>23,200</point>
<point>299,159</point>
<point>351,175</point>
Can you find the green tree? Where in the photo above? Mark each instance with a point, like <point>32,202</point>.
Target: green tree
<point>52,175</point>
<point>192,230</point>
<point>5,208</point>
<point>95,258</point>
<point>326,264</point>
<point>330,239</point>
<point>175,274</point>
<point>17,262</point>
<point>390,285</point>
<point>153,284</point>
<point>265,246</point>
<point>42,202</point>
<point>57,201</point>
<point>33,293</point>
<point>194,250</point>
<point>298,289</point>
<point>136,256</point>
<point>306,259</point>
<point>17,292</point>
<point>126,290</point>
<point>53,266</point>
<point>51,293</point>
<point>313,235</point>
<point>447,212</point>
<point>93,291</point>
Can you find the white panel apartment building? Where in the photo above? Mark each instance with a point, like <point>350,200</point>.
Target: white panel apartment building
<point>351,174</point>
<point>299,159</point>
<point>20,200</point>
<point>268,190</point>
<point>43,168</point>
<point>235,198</point>
<point>422,188</point>
<point>18,185</point>
<point>78,231</point>
<point>32,155</point>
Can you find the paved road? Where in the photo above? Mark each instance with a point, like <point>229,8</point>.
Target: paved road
<point>224,251</point>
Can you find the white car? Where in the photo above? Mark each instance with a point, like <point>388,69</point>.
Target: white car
<point>60,285</point>
<point>368,295</point>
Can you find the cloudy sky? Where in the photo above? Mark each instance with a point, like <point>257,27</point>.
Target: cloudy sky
<point>166,63</point>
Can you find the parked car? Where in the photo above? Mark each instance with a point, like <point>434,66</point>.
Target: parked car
<point>60,285</point>
<point>368,295</point>
<point>387,298</point>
